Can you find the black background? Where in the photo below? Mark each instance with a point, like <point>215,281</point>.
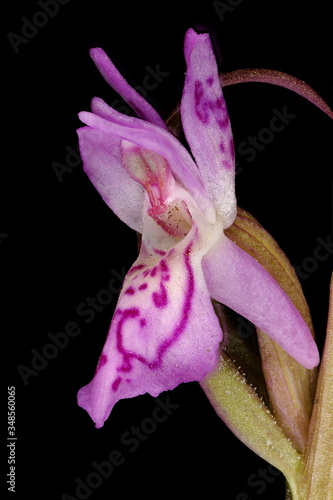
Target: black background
<point>63,242</point>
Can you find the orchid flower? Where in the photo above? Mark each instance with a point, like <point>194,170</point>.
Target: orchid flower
<point>164,329</point>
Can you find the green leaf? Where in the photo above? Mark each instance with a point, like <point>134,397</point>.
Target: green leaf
<point>318,475</point>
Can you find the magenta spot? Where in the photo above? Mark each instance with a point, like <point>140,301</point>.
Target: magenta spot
<point>205,106</point>
<point>165,270</point>
<point>130,291</point>
<point>126,366</point>
<point>125,315</point>
<point>228,149</point>
<point>143,286</point>
<point>143,322</point>
<point>160,298</point>
<point>146,273</point>
<point>210,81</point>
<point>220,113</point>
<point>153,271</point>
<point>185,314</point>
<point>116,383</point>
<point>222,122</point>
<point>218,104</point>
<point>164,266</point>
<point>136,268</point>
<point>159,252</point>
<point>200,103</point>
<point>101,362</point>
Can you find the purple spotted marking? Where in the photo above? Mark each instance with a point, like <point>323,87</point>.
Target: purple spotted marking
<point>101,362</point>
<point>228,149</point>
<point>186,309</point>
<point>130,291</point>
<point>164,266</point>
<point>133,314</point>
<point>143,322</point>
<point>125,314</point>
<point>204,106</point>
<point>136,268</point>
<point>219,112</point>
<point>143,286</point>
<point>211,106</point>
<point>200,103</point>
<point>159,252</point>
<point>116,383</point>
<point>160,298</point>
<point>165,270</point>
<point>153,271</point>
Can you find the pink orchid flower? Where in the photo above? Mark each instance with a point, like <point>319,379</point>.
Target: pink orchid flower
<point>164,330</point>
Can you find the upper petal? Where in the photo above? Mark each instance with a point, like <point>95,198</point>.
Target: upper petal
<point>153,138</point>
<point>110,73</point>
<point>206,125</point>
<point>158,337</point>
<point>237,280</point>
<point>102,162</point>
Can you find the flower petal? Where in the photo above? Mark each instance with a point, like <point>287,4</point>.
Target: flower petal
<point>160,141</point>
<point>237,280</point>
<point>158,337</point>
<point>206,125</point>
<point>110,73</point>
<point>102,162</point>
